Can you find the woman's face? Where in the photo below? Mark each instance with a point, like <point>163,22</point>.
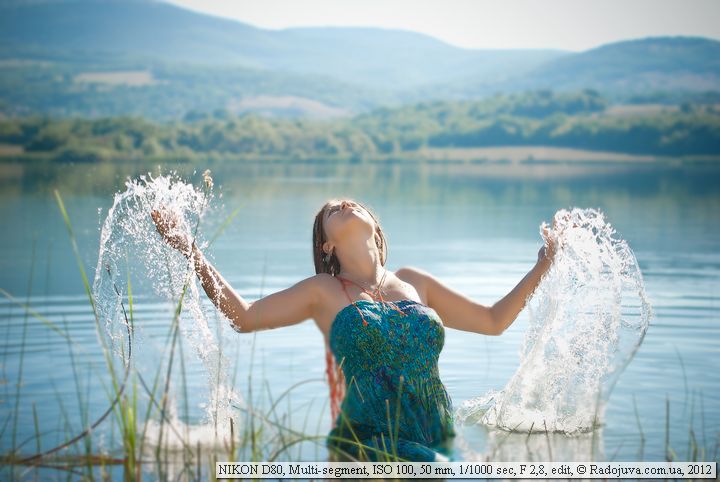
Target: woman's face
<point>345,217</point>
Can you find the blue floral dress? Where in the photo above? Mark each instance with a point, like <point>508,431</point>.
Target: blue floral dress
<point>395,406</point>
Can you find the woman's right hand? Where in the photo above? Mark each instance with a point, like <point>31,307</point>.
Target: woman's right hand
<point>167,225</point>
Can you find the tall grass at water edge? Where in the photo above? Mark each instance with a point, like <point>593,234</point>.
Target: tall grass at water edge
<point>264,434</point>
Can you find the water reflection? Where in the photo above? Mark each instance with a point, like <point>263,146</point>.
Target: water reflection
<point>427,181</point>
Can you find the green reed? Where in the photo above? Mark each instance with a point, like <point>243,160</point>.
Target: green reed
<point>23,340</point>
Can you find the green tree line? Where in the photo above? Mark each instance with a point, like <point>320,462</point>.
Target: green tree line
<point>577,120</point>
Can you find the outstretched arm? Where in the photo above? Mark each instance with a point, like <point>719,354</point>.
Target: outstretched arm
<point>455,309</point>
<point>460,312</point>
<point>506,310</point>
<point>286,307</point>
<point>283,308</point>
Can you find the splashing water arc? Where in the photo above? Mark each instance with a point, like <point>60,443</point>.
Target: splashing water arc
<point>587,318</point>
<point>130,247</point>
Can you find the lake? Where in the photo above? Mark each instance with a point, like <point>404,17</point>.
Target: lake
<point>473,226</point>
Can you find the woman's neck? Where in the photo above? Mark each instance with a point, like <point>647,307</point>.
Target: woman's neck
<point>361,262</point>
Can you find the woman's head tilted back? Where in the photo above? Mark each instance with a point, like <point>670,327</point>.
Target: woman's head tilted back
<point>332,221</point>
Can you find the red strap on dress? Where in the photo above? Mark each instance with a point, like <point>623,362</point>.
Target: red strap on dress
<point>344,282</point>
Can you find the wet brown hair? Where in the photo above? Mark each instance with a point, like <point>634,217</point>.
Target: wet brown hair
<point>319,237</point>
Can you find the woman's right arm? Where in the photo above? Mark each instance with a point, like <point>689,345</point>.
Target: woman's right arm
<point>283,308</point>
<point>232,305</point>
<point>286,307</point>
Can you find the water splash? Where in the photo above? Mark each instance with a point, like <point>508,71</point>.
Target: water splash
<point>131,248</point>
<point>588,317</point>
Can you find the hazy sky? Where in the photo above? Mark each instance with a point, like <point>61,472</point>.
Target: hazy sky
<point>563,24</point>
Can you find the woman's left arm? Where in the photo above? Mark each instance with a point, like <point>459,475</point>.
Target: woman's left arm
<point>507,309</point>
<point>460,312</point>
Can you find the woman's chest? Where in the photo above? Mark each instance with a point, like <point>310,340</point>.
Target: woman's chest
<point>376,334</point>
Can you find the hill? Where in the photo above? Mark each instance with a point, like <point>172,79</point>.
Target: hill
<point>146,30</point>
<point>97,58</point>
<point>624,70</point>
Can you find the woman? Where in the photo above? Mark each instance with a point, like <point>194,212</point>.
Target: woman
<point>383,331</point>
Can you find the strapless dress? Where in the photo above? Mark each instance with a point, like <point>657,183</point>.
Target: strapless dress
<point>395,406</point>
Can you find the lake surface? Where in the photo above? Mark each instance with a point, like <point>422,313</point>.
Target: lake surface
<point>475,227</point>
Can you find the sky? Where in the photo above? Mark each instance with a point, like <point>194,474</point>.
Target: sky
<point>573,25</point>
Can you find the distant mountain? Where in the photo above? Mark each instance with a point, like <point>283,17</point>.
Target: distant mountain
<point>655,63</point>
<point>378,58</point>
<point>398,60</point>
<point>142,57</point>
<point>626,69</point>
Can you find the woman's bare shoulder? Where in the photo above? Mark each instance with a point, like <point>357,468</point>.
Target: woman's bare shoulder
<point>323,279</point>
<point>415,277</point>
<point>324,285</point>
<point>412,275</point>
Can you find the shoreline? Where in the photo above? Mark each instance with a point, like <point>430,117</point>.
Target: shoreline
<point>501,155</point>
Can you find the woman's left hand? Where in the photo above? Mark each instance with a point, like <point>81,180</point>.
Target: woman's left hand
<point>547,251</point>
